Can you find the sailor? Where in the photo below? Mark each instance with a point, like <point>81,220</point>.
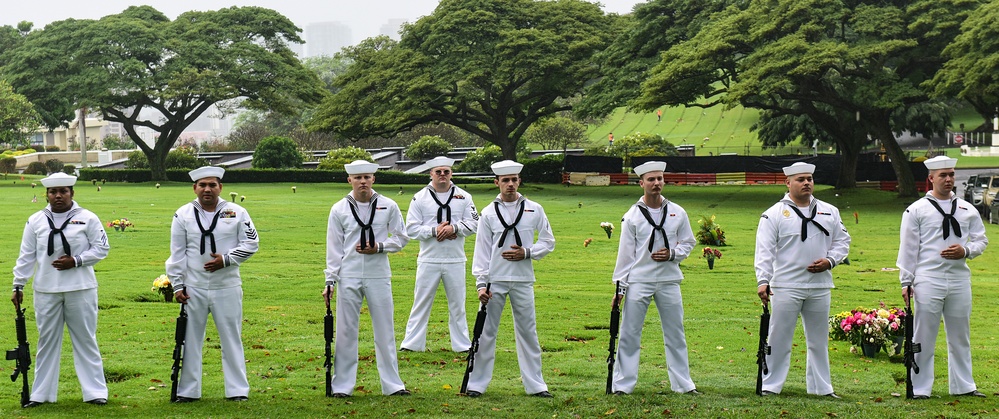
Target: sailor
<point>59,248</point>
<point>440,217</point>
<point>798,242</point>
<point>939,234</point>
<point>209,239</point>
<point>364,227</point>
<point>655,238</point>
<point>503,268</point>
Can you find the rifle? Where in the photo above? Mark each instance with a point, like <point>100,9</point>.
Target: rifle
<point>615,324</point>
<point>763,349</point>
<point>21,355</point>
<point>330,329</point>
<point>178,351</point>
<point>911,348</point>
<point>480,322</point>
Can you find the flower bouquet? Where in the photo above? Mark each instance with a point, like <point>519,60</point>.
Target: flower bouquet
<point>711,254</point>
<point>163,286</point>
<point>710,233</point>
<point>870,329</point>
<point>120,224</point>
<point>608,228</point>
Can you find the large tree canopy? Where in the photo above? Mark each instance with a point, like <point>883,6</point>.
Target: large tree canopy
<point>489,67</point>
<point>138,60</point>
<point>842,63</point>
<point>972,71</point>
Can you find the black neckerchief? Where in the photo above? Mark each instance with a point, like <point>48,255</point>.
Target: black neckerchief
<point>209,233</point>
<point>365,227</point>
<point>805,221</point>
<point>441,208</point>
<point>508,227</point>
<point>656,227</point>
<point>948,219</point>
<point>65,243</point>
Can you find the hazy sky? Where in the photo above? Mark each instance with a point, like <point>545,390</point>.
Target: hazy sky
<point>364,16</point>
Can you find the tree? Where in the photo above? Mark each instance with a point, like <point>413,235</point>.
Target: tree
<point>489,67</point>
<point>277,153</point>
<point>17,117</point>
<point>825,59</point>
<point>138,60</point>
<point>341,156</point>
<point>972,68</point>
<point>556,133</point>
<point>114,142</point>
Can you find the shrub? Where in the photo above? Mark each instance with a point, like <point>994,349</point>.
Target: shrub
<point>36,168</point>
<point>114,142</point>
<point>54,165</point>
<point>544,169</point>
<point>69,169</point>
<point>52,148</point>
<point>37,147</point>
<point>640,145</point>
<point>8,164</point>
<point>335,159</point>
<point>479,160</point>
<point>556,133</point>
<point>428,147</point>
<point>183,158</point>
<point>277,153</point>
<point>137,160</point>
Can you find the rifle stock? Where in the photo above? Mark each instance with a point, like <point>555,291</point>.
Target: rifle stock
<point>330,331</point>
<point>480,321</point>
<point>615,324</point>
<point>21,355</point>
<point>763,349</point>
<point>180,335</point>
<point>911,348</point>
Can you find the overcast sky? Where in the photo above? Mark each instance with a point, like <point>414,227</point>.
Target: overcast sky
<point>364,16</point>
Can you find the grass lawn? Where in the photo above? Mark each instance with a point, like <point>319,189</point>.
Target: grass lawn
<point>283,314</point>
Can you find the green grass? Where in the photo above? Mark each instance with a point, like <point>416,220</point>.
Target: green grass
<point>283,311</point>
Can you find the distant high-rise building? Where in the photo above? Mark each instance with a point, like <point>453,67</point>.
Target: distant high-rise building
<point>391,28</point>
<point>326,38</point>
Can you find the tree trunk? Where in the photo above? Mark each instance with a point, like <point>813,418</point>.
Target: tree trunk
<point>850,152</point>
<point>899,161</point>
<point>157,163</point>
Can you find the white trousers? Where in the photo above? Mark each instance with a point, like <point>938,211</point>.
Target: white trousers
<point>521,296</point>
<point>350,292</point>
<point>226,307</point>
<point>950,298</point>
<point>813,306</point>
<point>669,303</point>
<point>78,311</point>
<point>428,277</point>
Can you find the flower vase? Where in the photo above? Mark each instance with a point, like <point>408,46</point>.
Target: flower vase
<point>899,343</point>
<point>167,296</point>
<point>711,263</point>
<point>608,233</point>
<point>117,228</point>
<point>870,350</point>
<point>122,228</point>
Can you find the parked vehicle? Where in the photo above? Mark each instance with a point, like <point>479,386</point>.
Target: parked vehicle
<point>974,189</point>
<point>992,215</point>
<point>989,192</point>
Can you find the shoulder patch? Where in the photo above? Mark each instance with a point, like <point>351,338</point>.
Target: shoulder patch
<point>764,216</point>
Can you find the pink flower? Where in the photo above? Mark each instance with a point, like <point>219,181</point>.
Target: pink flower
<point>847,328</point>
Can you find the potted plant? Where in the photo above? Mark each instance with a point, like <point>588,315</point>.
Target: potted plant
<point>711,254</point>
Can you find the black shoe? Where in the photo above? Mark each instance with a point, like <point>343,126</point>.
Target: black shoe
<point>974,393</point>
<point>766,393</point>
<point>182,399</point>
<point>237,398</point>
<point>406,350</point>
<point>543,394</point>
<point>98,401</point>
<point>832,396</point>
<point>340,395</point>
<point>620,393</point>
<point>693,392</point>
<point>31,404</point>
<point>473,393</point>
<point>920,397</point>
<point>402,392</point>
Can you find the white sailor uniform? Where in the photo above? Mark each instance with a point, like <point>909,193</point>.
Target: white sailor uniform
<point>440,261</point>
<point>942,287</point>
<point>357,277</point>
<point>194,235</point>
<point>501,225</point>
<point>787,242</point>
<point>646,230</point>
<point>64,297</point>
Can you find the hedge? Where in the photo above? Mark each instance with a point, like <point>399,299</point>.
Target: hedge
<point>263,176</point>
